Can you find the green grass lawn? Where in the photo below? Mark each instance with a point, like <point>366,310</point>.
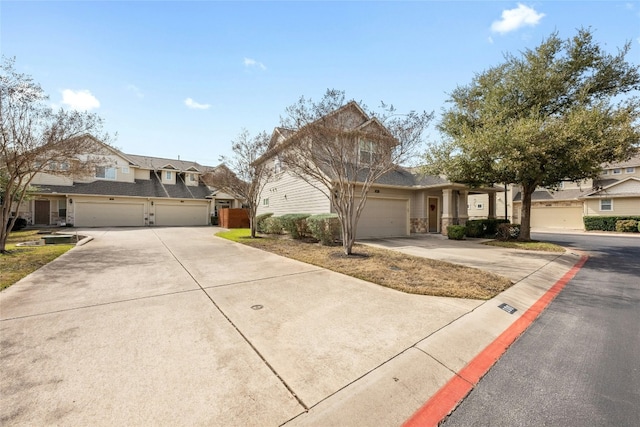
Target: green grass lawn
<point>22,261</point>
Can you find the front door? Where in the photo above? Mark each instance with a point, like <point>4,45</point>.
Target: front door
<point>433,214</point>
<point>42,215</point>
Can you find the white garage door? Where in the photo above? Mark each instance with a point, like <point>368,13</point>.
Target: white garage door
<point>557,217</point>
<point>384,218</point>
<point>91,214</point>
<point>182,214</point>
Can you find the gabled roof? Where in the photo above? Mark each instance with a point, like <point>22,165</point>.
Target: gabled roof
<point>632,162</point>
<point>159,163</point>
<point>544,194</point>
<point>606,190</point>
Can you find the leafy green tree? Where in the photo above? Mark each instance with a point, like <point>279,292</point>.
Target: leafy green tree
<point>552,114</point>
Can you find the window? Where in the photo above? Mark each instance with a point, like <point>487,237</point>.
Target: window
<point>367,152</point>
<point>192,177</point>
<point>265,202</point>
<point>62,208</point>
<point>605,172</point>
<point>617,171</point>
<point>125,169</point>
<point>606,205</point>
<point>277,165</point>
<point>630,170</point>
<point>105,172</point>
<point>167,175</point>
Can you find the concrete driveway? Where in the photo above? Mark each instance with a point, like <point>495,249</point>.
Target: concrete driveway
<point>173,326</point>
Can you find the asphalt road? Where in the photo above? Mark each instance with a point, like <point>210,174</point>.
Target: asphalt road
<point>579,362</point>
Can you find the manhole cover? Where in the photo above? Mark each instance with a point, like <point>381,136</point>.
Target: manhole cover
<point>257,307</point>
<point>507,308</point>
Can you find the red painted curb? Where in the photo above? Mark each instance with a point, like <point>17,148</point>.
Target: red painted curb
<point>451,394</point>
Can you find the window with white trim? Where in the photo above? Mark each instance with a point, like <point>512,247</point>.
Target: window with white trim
<point>105,172</point>
<point>630,170</point>
<point>192,177</point>
<point>168,175</point>
<point>277,165</point>
<point>125,169</point>
<point>62,208</point>
<point>265,202</point>
<point>605,172</point>
<point>617,171</point>
<point>606,204</point>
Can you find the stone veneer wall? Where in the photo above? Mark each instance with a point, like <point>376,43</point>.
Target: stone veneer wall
<point>419,225</point>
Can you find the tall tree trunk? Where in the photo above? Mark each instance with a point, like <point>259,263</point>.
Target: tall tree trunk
<point>525,215</point>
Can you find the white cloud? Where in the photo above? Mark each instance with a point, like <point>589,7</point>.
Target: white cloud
<point>195,105</point>
<point>513,19</point>
<point>248,62</point>
<point>135,90</point>
<point>81,100</point>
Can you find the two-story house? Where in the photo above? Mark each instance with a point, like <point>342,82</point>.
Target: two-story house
<point>399,203</point>
<point>616,192</point>
<point>125,190</point>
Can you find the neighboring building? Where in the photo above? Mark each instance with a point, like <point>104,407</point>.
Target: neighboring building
<point>616,192</point>
<point>399,203</point>
<point>128,190</point>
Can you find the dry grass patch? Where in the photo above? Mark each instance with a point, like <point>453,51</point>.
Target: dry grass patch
<point>388,268</point>
<point>532,245</point>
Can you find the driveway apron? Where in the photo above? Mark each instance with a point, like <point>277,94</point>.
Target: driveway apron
<point>173,326</point>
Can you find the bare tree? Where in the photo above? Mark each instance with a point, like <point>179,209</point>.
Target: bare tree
<point>342,149</point>
<point>35,139</point>
<point>240,175</point>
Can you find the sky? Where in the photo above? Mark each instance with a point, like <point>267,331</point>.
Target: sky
<point>184,78</point>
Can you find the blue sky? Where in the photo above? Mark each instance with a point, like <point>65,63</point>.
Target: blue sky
<point>183,78</point>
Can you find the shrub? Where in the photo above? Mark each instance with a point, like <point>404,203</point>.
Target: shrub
<point>272,225</point>
<point>627,225</point>
<point>483,227</point>
<point>508,231</point>
<point>604,223</point>
<point>456,232</point>
<point>324,228</point>
<point>475,228</point>
<point>260,221</point>
<point>19,224</point>
<point>295,225</point>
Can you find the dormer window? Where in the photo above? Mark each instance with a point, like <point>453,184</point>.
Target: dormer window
<point>192,177</point>
<point>168,175</point>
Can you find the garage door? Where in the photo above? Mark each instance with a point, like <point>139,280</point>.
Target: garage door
<point>384,218</point>
<point>557,217</point>
<point>90,214</point>
<point>182,214</point>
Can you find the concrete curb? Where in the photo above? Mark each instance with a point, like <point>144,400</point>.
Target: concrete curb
<point>447,398</point>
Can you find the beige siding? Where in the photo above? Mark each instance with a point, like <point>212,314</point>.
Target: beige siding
<point>289,194</point>
<point>49,179</point>
<point>569,217</point>
<point>479,206</point>
<point>141,173</point>
<point>621,206</point>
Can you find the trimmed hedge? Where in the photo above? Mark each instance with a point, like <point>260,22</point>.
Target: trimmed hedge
<point>324,228</point>
<point>483,227</point>
<point>19,224</point>
<point>508,231</point>
<point>605,223</point>
<point>627,225</point>
<point>272,225</point>
<point>295,225</point>
<point>260,221</point>
<point>456,232</point>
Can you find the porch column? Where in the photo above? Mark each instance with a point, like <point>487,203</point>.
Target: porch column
<point>463,207</point>
<point>447,210</point>
<point>492,205</point>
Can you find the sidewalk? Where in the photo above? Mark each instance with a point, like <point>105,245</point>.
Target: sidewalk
<point>403,384</point>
